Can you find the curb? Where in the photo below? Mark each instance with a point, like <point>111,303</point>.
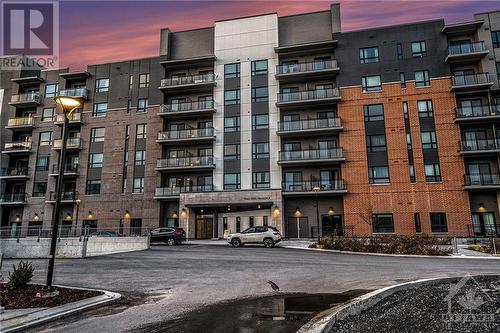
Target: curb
<point>50,314</point>
<point>391,255</point>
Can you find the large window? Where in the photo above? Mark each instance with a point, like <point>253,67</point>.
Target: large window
<point>48,114</point>
<point>93,186</point>
<point>375,143</point>
<point>231,97</point>
<point>422,79</point>
<point>260,94</point>
<point>97,134</point>
<point>438,222</point>
<point>231,181</point>
<point>495,37</point>
<point>261,180</point>
<point>100,110</point>
<point>418,49</point>
<point>141,131</point>
<point>142,105</point>
<point>140,157</point>
<point>101,85</point>
<point>260,150</point>
<point>45,138</point>
<point>425,109</point>
<point>432,172</point>
<point>144,80</point>
<point>231,152</point>
<point>374,112</point>
<point>368,55</point>
<point>51,90</point>
<point>378,174</point>
<point>231,124</point>
<point>383,223</point>
<point>95,160</point>
<point>260,121</point>
<point>259,67</point>
<point>138,185</point>
<point>42,163</point>
<point>428,140</point>
<point>39,189</point>
<point>231,71</point>
<point>371,83</point>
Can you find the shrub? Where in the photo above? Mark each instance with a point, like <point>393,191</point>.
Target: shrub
<point>21,275</point>
<point>391,244</point>
<point>486,248</point>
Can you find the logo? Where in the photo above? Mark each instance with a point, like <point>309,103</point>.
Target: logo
<point>30,33</point>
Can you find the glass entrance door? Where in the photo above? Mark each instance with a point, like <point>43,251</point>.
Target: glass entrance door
<point>204,227</point>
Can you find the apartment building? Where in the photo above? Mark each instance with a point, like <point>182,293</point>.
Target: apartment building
<point>267,120</point>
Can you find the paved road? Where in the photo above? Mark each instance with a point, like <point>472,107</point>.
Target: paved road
<point>162,283</point>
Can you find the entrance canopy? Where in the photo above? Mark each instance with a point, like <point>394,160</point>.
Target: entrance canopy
<point>211,208</point>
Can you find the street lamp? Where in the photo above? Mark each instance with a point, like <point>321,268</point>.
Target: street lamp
<point>68,105</point>
<point>298,214</point>
<point>183,216</point>
<point>316,190</point>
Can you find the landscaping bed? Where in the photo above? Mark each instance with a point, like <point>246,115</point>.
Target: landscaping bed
<point>486,248</point>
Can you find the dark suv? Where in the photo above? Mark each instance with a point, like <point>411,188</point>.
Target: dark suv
<point>171,236</point>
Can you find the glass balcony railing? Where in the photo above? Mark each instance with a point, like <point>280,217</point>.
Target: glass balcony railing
<point>192,161</point>
<point>192,133</point>
<point>32,97</point>
<point>186,106</point>
<point>311,154</point>
<point>471,80</point>
<point>21,122</point>
<point>12,197</point>
<point>14,172</point>
<point>68,168</point>
<point>174,191</point>
<point>478,111</point>
<point>308,95</point>
<point>308,124</point>
<point>315,186</point>
<point>19,145</point>
<point>480,145</point>
<point>75,92</point>
<point>481,179</point>
<point>187,80</point>
<point>75,117</point>
<point>306,67</point>
<point>71,143</point>
<point>466,48</point>
<point>65,196</point>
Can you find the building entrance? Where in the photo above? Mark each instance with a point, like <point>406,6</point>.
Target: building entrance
<point>204,226</point>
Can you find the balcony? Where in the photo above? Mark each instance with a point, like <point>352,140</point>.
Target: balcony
<point>308,126</point>
<point>71,144</point>
<point>18,147</point>
<point>314,187</point>
<point>308,98</point>
<point>466,53</point>
<point>14,173</point>
<point>66,197</point>
<point>163,193</point>
<point>75,118</point>
<point>185,163</point>
<point>480,147</point>
<point>187,109</point>
<point>20,123</point>
<point>481,181</point>
<point>317,156</point>
<point>471,83</point>
<point>80,93</point>
<point>307,71</point>
<point>192,83</point>
<point>25,100</point>
<point>69,170</point>
<point>192,135</point>
<point>477,114</point>
<point>12,198</point>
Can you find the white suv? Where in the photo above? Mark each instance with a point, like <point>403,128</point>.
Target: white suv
<point>266,235</point>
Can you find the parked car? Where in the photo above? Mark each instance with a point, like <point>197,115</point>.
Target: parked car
<point>171,236</point>
<point>266,235</point>
<point>104,234</point>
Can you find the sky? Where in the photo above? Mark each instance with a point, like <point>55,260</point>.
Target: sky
<point>93,32</point>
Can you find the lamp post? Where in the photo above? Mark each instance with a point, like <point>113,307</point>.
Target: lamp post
<point>68,105</point>
<point>298,214</point>
<point>316,190</point>
<point>77,202</point>
<point>183,216</point>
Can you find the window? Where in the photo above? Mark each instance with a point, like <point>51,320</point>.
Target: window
<point>142,105</point>
<point>402,80</point>
<point>231,124</point>
<point>130,81</point>
<point>378,174</point>
<point>374,112</point>
<point>144,80</point>
<point>42,163</point>
<point>238,224</point>
<point>418,225</point>
<point>495,37</point>
<point>45,138</point>
<point>101,85</point>
<point>231,181</point>
<point>408,141</point>
<point>138,185</point>
<point>438,222</point>
<point>100,110</point>
<point>93,186</point>
<point>261,180</point>
<point>39,189</point>
<point>95,160</point>
<point>371,83</point>
<point>405,110</point>
<point>231,97</point>
<point>231,71</point>
<point>51,90</point>
<point>140,157</point>
<point>428,140</point>
<point>260,94</point>
<point>260,121</point>
<point>260,150</point>
<point>231,152</point>
<point>425,109</point>
<point>413,179</point>
<point>124,185</point>
<point>265,220</point>
<point>432,172</point>
<point>418,49</point>
<point>375,143</point>
<point>422,79</point>
<point>129,105</point>
<point>140,131</point>
<point>399,51</point>
<point>48,114</point>
<point>97,134</point>
<point>259,67</point>
<point>368,55</point>
<point>383,223</point>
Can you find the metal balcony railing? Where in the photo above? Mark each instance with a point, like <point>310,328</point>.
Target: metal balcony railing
<point>477,111</point>
<point>32,97</point>
<point>306,67</point>
<point>481,179</point>
<point>65,196</point>
<point>173,191</point>
<point>14,172</point>
<point>75,92</point>
<point>480,145</point>
<point>184,80</point>
<point>311,154</point>
<point>71,143</point>
<point>12,197</point>
<point>308,95</point>
<point>20,122</point>
<point>471,79</point>
<point>308,124</point>
<point>466,48</point>
<point>186,106</point>
<point>192,133</point>
<point>191,161</point>
<point>18,145</point>
<point>313,186</point>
